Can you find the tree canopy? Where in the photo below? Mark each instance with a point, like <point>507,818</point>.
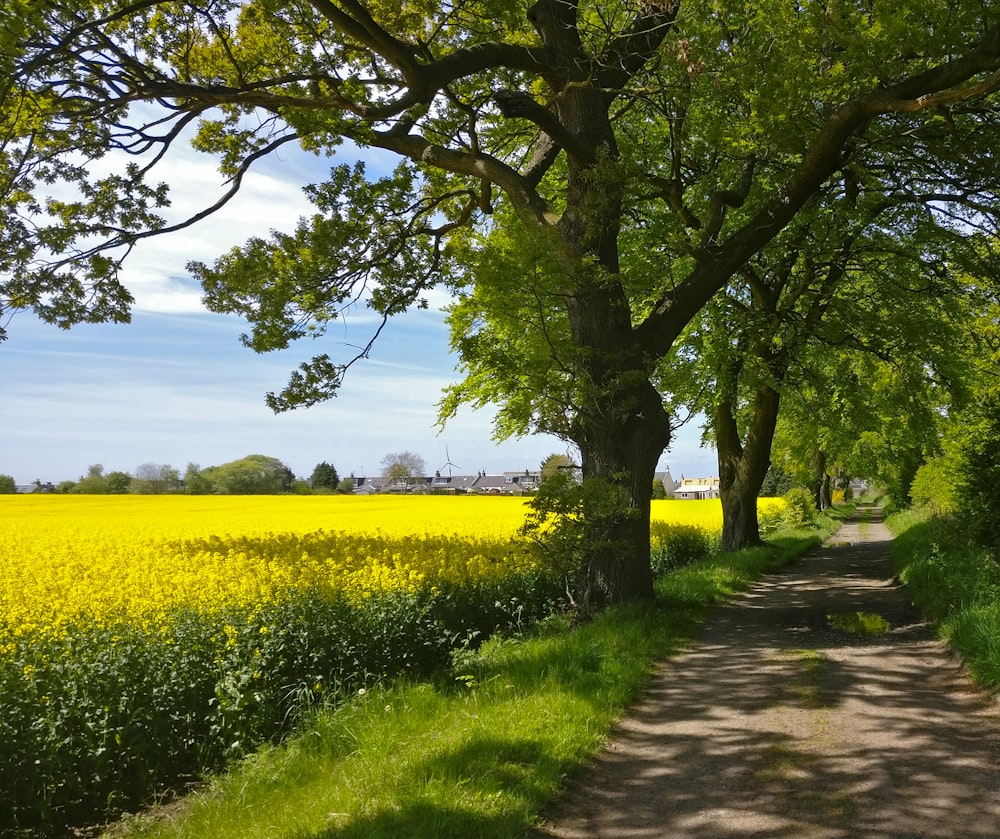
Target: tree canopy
<point>584,176</point>
<point>255,474</point>
<point>401,466</point>
<point>324,476</point>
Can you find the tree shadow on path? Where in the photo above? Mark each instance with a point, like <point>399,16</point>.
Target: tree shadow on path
<point>818,704</point>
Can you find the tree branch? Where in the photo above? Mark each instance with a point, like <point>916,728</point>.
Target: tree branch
<point>517,104</point>
<point>630,51</point>
<point>420,150</point>
<point>824,156</point>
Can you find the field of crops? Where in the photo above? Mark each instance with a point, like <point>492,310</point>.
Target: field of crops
<point>147,638</point>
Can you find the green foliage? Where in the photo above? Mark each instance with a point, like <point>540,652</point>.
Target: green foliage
<point>800,508</point>
<point>568,519</point>
<point>555,464</point>
<point>770,520</point>
<point>324,476</point>
<point>659,490</point>
<point>346,486</point>
<point>676,545</point>
<point>196,482</point>
<point>117,483</point>
<point>956,584</point>
<point>510,329</point>
<point>980,478</point>
<point>936,485</point>
<point>776,482</point>
<point>93,483</point>
<point>255,474</point>
<point>8,485</point>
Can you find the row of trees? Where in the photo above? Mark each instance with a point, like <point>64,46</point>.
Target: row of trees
<point>770,212</point>
<point>254,474</point>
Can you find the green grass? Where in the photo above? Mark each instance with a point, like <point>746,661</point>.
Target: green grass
<point>479,750</point>
<point>955,584</point>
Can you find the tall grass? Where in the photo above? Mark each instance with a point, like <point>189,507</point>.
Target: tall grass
<point>477,750</point>
<point>956,584</point>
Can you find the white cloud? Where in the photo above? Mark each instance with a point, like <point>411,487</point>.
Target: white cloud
<point>156,272</point>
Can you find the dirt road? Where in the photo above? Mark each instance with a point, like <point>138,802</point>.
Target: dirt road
<point>816,706</point>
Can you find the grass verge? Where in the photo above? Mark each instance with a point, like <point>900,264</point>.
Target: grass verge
<point>955,584</point>
<point>478,751</point>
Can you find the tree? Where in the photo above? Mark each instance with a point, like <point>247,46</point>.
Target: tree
<point>593,126</point>
<point>93,482</point>
<point>346,486</point>
<point>776,482</point>
<point>856,276</point>
<point>399,467</point>
<point>117,483</point>
<point>553,464</point>
<point>324,476</point>
<point>196,482</point>
<point>255,474</point>
<point>8,486</point>
<point>155,479</point>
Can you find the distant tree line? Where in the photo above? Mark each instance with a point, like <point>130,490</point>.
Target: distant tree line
<point>255,474</point>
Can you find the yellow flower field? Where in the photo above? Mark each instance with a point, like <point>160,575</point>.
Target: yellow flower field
<point>149,638</point>
<point>112,558</point>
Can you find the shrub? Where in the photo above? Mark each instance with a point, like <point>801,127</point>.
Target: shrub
<point>935,485</point>
<point>676,545</point>
<point>979,504</point>
<point>800,508</point>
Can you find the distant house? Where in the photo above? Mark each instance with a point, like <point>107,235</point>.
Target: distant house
<point>37,486</point>
<point>696,489</point>
<point>509,483</point>
<point>669,484</point>
<point>520,482</point>
<point>453,484</point>
<point>367,486</point>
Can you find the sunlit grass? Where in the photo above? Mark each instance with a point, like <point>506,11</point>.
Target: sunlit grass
<point>954,583</point>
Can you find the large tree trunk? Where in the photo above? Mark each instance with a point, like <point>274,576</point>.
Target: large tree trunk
<point>742,467</point>
<point>620,450</point>
<point>618,420</point>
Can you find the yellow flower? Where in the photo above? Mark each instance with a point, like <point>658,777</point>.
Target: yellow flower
<point>115,561</point>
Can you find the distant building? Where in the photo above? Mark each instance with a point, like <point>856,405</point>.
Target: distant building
<point>367,486</point>
<point>37,486</point>
<point>696,489</point>
<point>507,483</point>
<point>669,484</point>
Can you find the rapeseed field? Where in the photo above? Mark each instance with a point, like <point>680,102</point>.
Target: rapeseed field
<point>145,638</point>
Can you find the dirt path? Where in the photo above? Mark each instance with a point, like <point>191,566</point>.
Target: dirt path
<point>782,721</point>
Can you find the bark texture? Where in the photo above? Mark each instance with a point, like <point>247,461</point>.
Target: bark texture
<point>742,468</point>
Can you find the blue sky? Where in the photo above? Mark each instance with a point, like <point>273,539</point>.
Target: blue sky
<point>176,386</point>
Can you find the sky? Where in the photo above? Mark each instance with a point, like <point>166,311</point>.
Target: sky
<point>175,386</point>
